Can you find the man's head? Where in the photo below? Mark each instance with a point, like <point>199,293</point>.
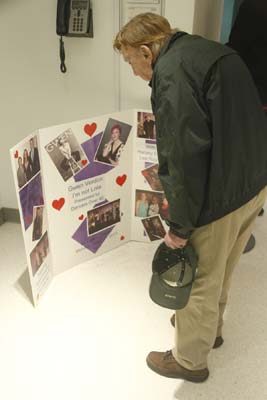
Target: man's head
<point>31,144</point>
<point>140,41</point>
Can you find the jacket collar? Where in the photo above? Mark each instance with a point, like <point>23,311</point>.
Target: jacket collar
<point>166,47</point>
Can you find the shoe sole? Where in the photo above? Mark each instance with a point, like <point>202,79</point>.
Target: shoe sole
<point>194,379</point>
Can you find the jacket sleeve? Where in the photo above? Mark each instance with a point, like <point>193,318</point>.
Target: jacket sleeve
<point>183,144</point>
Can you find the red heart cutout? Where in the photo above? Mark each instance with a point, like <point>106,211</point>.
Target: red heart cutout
<point>122,237</point>
<point>84,162</point>
<point>90,129</point>
<point>16,154</point>
<point>81,217</point>
<point>28,219</point>
<point>58,204</point>
<point>120,180</point>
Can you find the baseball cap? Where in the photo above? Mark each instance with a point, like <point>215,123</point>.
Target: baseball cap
<point>173,273</point>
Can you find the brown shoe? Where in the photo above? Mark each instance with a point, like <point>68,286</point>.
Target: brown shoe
<point>165,364</point>
<point>218,341</point>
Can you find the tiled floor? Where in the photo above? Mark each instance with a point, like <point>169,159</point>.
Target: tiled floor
<point>89,337</point>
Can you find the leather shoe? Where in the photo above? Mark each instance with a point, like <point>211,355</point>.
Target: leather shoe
<point>165,364</point>
<point>218,341</point>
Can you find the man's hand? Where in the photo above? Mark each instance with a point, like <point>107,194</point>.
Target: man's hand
<point>174,241</point>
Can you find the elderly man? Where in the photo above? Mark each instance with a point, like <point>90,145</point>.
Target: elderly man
<point>212,146</point>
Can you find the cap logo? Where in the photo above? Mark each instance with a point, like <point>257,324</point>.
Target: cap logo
<point>169,296</point>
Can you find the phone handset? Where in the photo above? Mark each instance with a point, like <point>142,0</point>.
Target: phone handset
<point>74,18</point>
<point>63,16</point>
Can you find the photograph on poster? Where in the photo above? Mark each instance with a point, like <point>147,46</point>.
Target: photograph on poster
<point>148,203</point>
<point>103,217</point>
<point>27,161</point>
<point>39,254</point>
<point>31,195</point>
<point>154,228</point>
<point>67,155</point>
<point>37,230</point>
<point>146,128</point>
<point>151,175</point>
<point>113,141</point>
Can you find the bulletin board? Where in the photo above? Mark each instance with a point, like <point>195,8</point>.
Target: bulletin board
<point>87,187</point>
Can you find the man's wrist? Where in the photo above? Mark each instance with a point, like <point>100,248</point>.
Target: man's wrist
<point>178,230</point>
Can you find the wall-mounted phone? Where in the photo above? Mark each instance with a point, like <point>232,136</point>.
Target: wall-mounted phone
<point>74,18</point>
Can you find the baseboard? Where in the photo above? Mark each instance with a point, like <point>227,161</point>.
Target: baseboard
<point>2,216</point>
<point>9,215</point>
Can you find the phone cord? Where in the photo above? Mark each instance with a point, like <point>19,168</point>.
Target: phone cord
<point>63,67</point>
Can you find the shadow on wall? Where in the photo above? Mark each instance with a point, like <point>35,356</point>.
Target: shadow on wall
<point>208,18</point>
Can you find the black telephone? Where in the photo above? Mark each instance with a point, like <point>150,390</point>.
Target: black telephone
<point>74,18</point>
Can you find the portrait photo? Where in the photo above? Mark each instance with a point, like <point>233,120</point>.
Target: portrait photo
<point>67,155</point>
<point>39,254</point>
<point>103,217</point>
<point>113,141</point>
<point>146,128</point>
<point>154,228</point>
<point>37,230</point>
<point>151,176</point>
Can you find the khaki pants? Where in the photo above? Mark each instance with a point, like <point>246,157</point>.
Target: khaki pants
<point>219,246</point>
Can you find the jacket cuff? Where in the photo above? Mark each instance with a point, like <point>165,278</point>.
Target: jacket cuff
<point>178,230</point>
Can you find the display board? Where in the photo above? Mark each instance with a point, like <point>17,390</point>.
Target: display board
<point>86,187</point>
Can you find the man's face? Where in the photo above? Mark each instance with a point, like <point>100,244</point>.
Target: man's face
<point>140,60</point>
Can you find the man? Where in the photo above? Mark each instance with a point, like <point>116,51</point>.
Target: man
<point>34,157</point>
<point>212,150</point>
<point>149,127</point>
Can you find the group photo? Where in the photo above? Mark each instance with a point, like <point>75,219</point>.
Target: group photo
<point>28,163</point>
<point>103,217</point>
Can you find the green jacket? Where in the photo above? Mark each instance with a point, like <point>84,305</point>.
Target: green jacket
<point>211,131</point>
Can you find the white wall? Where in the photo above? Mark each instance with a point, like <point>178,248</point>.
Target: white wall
<point>208,18</point>
<point>34,93</point>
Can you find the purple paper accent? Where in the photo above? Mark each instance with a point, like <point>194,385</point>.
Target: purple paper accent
<point>151,141</point>
<point>148,164</point>
<point>93,242</point>
<point>94,168</point>
<point>101,203</point>
<point>31,195</point>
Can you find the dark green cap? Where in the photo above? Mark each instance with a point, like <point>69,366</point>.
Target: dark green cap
<point>173,273</point>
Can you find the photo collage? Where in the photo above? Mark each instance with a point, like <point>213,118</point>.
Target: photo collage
<point>28,172</point>
<point>93,185</point>
<point>150,205</point>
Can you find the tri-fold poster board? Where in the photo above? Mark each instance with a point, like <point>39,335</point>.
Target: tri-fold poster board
<point>84,188</point>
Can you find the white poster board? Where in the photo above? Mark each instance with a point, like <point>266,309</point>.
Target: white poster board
<point>86,187</point>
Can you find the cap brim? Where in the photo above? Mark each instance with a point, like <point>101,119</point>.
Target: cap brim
<point>168,296</point>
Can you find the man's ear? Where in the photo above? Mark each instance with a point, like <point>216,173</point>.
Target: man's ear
<point>146,52</point>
